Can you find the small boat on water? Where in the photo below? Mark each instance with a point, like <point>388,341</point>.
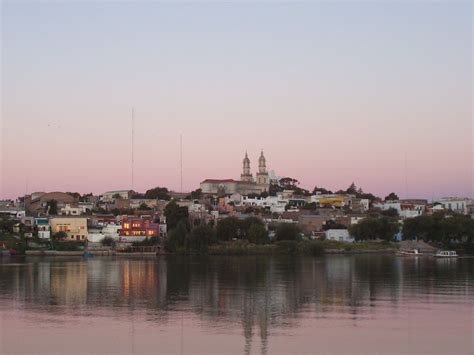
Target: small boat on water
<point>409,252</point>
<point>446,254</point>
<point>87,254</point>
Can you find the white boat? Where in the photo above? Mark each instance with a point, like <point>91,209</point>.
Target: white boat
<point>409,252</point>
<point>446,254</point>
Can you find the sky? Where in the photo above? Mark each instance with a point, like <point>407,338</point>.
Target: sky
<point>376,93</point>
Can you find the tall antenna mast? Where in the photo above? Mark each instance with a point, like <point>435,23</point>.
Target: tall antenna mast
<point>133,145</point>
<point>406,175</point>
<point>181,160</point>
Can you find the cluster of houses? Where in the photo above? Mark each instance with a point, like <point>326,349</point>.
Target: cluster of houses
<point>122,216</point>
<point>42,215</point>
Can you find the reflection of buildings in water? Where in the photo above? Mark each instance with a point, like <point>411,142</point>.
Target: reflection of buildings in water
<point>69,283</point>
<point>143,280</point>
<point>43,278</point>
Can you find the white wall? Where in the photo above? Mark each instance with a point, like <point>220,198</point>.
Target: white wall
<point>341,235</point>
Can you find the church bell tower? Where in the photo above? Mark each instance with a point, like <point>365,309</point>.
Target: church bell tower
<point>246,174</point>
<point>262,175</point>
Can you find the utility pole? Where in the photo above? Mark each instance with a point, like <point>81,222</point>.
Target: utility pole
<point>181,161</point>
<point>133,146</point>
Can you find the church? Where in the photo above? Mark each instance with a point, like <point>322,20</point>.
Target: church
<point>245,186</point>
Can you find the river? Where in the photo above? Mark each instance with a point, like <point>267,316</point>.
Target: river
<point>359,304</point>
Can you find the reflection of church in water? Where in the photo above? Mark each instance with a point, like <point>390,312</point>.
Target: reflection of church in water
<point>247,183</point>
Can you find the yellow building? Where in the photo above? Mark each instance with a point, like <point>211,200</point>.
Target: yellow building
<point>75,228</point>
<point>336,201</point>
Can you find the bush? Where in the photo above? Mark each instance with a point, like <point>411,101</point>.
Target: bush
<point>287,231</point>
<point>199,239</point>
<point>68,246</point>
<point>257,234</point>
<point>287,246</point>
<point>108,242</point>
<point>228,228</point>
<point>313,248</point>
<point>176,237</point>
<point>147,242</point>
<point>60,235</point>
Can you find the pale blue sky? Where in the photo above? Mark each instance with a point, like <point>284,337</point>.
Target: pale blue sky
<point>333,92</point>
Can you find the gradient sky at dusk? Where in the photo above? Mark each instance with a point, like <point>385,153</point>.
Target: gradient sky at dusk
<point>333,93</point>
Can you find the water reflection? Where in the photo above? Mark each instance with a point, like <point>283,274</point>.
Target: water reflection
<point>253,296</point>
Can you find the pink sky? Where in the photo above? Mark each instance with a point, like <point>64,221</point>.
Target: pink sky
<point>331,93</point>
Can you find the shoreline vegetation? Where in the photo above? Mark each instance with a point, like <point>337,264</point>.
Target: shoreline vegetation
<point>304,247</point>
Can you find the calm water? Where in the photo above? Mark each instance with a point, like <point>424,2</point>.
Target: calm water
<point>237,305</point>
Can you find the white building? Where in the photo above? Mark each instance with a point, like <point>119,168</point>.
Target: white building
<point>341,235</point>
<point>76,209</point>
<point>15,212</point>
<point>456,204</point>
<point>273,203</point>
<point>405,208</point>
<point>110,196</point>
<point>111,230</point>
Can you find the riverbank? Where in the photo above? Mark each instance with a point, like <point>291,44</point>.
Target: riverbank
<point>301,248</point>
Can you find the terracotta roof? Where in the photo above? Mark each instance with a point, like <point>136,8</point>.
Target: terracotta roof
<point>219,180</point>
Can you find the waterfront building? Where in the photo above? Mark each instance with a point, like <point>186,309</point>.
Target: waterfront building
<point>74,227</point>
<point>139,227</point>
<point>42,227</point>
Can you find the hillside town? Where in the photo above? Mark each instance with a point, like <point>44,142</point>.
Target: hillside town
<point>127,219</point>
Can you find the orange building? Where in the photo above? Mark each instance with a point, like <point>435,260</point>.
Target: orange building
<point>139,227</point>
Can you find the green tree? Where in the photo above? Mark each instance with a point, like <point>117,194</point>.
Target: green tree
<point>60,235</point>
<point>427,228</point>
<point>144,207</point>
<point>391,212</point>
<point>114,211</point>
<point>160,193</point>
<point>199,239</point>
<point>52,207</point>
<point>287,231</point>
<point>371,228</point>
<point>174,213</point>
<point>108,241</point>
<point>321,190</point>
<point>441,227</point>
<point>228,228</point>
<point>352,189</point>
<point>392,196</point>
<point>274,188</point>
<point>331,224</point>
<point>257,234</point>
<point>312,206</point>
<point>196,194</point>
<point>177,237</point>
